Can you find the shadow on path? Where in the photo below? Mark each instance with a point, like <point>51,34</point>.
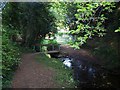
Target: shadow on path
<point>32,74</point>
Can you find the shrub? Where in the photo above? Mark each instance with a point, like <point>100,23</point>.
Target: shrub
<point>10,58</point>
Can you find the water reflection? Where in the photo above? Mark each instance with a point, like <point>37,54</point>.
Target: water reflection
<point>88,75</point>
<point>67,62</point>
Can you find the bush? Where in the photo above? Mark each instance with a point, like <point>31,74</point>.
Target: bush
<point>10,58</point>
<point>108,55</point>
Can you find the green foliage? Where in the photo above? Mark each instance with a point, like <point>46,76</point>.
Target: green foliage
<point>63,75</point>
<point>109,56</point>
<point>118,30</point>
<point>52,42</point>
<point>30,19</point>
<point>89,20</point>
<point>59,11</point>
<point>10,57</point>
<point>46,41</point>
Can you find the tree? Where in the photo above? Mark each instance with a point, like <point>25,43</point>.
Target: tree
<point>29,19</point>
<point>89,20</point>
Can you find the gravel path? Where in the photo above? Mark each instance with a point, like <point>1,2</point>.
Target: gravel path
<point>32,74</point>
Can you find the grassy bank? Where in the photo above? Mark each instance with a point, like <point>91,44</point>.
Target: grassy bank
<point>106,50</point>
<point>63,75</point>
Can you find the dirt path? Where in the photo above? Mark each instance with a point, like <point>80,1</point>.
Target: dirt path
<point>32,74</point>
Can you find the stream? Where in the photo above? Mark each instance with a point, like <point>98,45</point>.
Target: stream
<point>89,75</point>
<point>86,73</point>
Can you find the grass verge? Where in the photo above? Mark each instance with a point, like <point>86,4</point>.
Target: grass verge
<point>63,75</point>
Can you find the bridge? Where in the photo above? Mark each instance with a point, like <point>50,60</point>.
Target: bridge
<point>55,48</point>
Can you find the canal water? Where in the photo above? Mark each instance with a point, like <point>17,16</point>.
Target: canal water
<point>90,75</point>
